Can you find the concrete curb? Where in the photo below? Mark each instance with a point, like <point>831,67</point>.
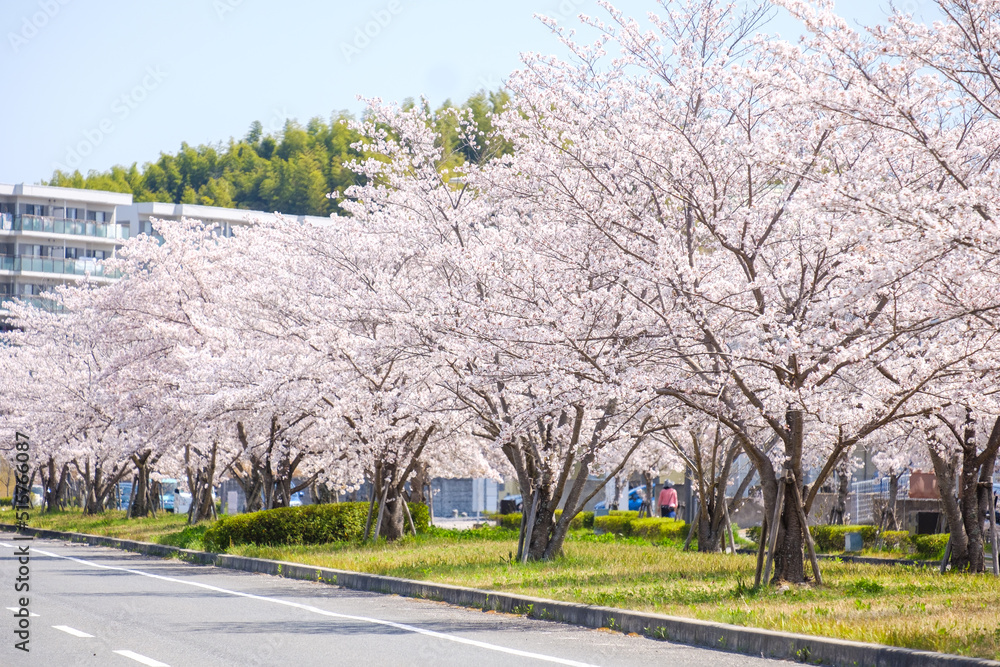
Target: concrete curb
<point>732,638</point>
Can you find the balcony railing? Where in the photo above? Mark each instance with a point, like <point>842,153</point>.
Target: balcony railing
<point>75,267</point>
<point>37,223</point>
<point>6,221</point>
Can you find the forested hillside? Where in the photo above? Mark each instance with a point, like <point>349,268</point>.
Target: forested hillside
<point>290,171</point>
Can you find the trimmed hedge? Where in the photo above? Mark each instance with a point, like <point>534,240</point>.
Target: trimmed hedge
<point>627,524</point>
<point>657,529</point>
<point>512,521</point>
<point>581,520</point>
<point>930,547</point>
<point>420,514</point>
<point>831,539</point>
<point>308,524</point>
<point>615,524</point>
<point>6,502</point>
<point>897,540</point>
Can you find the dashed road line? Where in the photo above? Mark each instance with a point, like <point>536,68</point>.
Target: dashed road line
<point>331,614</point>
<point>141,658</point>
<point>72,631</point>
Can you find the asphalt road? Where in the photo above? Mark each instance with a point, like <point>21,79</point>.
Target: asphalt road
<point>98,606</point>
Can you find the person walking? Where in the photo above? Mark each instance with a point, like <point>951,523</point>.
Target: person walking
<point>668,500</point>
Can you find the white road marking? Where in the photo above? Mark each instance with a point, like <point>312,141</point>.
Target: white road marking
<point>16,609</point>
<point>4,544</point>
<point>141,658</point>
<point>332,614</point>
<point>72,631</point>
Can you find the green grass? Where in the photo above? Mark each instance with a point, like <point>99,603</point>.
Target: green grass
<point>166,528</point>
<point>900,606</point>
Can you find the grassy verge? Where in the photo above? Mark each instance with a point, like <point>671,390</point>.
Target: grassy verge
<point>900,606</point>
<point>166,528</point>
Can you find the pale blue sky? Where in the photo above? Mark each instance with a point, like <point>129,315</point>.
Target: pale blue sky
<point>123,80</point>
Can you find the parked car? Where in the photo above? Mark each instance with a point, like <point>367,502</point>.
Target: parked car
<point>510,504</point>
<point>635,500</point>
<point>181,502</point>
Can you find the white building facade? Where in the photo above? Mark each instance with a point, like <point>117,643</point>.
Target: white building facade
<point>51,236</point>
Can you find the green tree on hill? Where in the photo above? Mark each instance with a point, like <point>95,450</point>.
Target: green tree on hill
<point>291,171</point>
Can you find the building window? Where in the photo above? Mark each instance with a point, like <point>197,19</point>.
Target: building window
<point>72,214</point>
<point>32,250</point>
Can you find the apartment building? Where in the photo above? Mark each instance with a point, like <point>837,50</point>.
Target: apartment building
<point>51,236</point>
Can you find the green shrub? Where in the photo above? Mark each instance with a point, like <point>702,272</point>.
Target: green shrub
<point>308,524</point>
<point>420,514</point>
<point>6,502</point>
<point>657,529</point>
<point>616,524</point>
<point>930,547</point>
<point>513,521</point>
<point>897,540</point>
<point>632,514</point>
<point>581,520</point>
<point>831,538</point>
<point>510,521</point>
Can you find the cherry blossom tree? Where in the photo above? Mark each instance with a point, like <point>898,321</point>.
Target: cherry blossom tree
<point>777,311</point>
<point>76,389</point>
<point>927,96</point>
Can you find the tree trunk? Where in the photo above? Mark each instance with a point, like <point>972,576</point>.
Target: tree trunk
<point>889,520</point>
<point>142,506</point>
<point>543,528</point>
<point>54,490</point>
<point>789,563</point>
<point>965,506</point>
<point>789,560</point>
<point>421,478</point>
<point>249,473</point>
<point>393,518</point>
<point>99,485</point>
<point>200,483</point>
<point>838,513</point>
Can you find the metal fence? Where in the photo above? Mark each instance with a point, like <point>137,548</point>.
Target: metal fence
<point>862,501</point>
